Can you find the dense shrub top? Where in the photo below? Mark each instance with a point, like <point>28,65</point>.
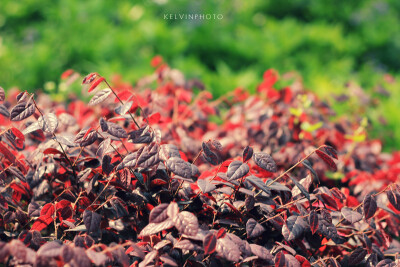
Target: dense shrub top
<point>147,177</point>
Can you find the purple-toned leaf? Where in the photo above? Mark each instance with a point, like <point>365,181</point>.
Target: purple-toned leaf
<point>206,186</point>
<point>254,229</point>
<point>357,256</point>
<point>187,245</point>
<point>103,148</point>
<point>294,227</point>
<point>96,257</point>
<point>172,210</point>
<point>237,170</point>
<point>301,188</point>
<point>103,125</point>
<point>265,161</point>
<point>106,165</point>
<point>129,161</point>
<point>99,97</point>
<point>91,220</point>
<point>309,167</point>
<point>116,130</point>
<point>84,174</point>
<point>261,252</point>
<point>228,250</point>
<point>126,178</point>
<point>154,228</point>
<point>209,243</point>
<point>179,167</point>
<point>80,258</point>
<point>210,156</point>
<point>247,153</point>
<point>22,111</point>
<point>313,221</point>
<point>149,260</point>
<point>148,156</point>
<point>186,223</point>
<point>2,94</point>
<point>34,209</point>
<point>159,213</point>
<point>394,198</point>
<point>249,202</point>
<point>291,261</point>
<point>50,249</point>
<point>16,173</point>
<point>123,109</point>
<point>328,200</point>
<point>168,261</point>
<point>67,253</point>
<point>85,139</point>
<point>168,151</point>
<point>370,206</point>
<point>48,122</point>
<point>258,183</point>
<point>66,119</point>
<point>4,111</point>
<point>119,207</point>
<point>350,215</point>
<point>141,136</point>
<point>338,194</point>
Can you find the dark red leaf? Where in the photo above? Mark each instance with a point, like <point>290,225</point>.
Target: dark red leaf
<point>280,259</point>
<point>331,151</point>
<point>370,206</point>
<point>247,153</point>
<point>313,221</point>
<point>91,220</point>
<point>209,243</point>
<point>327,160</point>
<point>357,256</point>
<point>394,198</point>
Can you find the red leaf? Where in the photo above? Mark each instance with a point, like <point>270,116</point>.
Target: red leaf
<point>18,133</point>
<point>303,261</point>
<point>48,210</point>
<point>154,118</point>
<point>66,74</point>
<point>221,233</point>
<point>51,150</point>
<point>95,84</point>
<point>41,223</point>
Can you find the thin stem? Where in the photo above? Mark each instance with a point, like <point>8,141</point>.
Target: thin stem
<point>122,103</point>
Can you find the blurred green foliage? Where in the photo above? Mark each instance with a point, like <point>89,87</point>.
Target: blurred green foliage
<point>327,42</point>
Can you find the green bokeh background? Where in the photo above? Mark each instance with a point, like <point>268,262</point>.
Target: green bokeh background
<point>327,42</point>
